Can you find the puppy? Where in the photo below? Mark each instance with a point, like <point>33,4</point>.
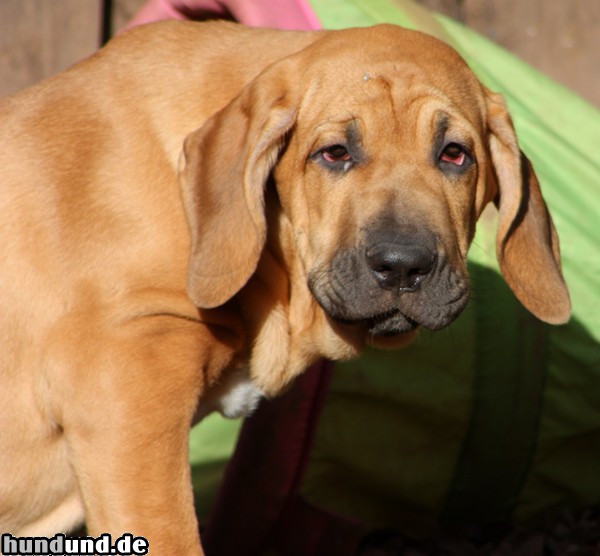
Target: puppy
<point>197,213</point>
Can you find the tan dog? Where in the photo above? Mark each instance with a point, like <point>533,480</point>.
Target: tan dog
<point>331,182</point>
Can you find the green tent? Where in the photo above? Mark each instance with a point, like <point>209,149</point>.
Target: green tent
<point>496,418</point>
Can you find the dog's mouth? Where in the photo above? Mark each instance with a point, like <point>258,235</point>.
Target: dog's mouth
<point>359,302</point>
<point>382,325</point>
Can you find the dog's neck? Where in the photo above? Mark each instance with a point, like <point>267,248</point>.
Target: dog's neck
<point>288,329</point>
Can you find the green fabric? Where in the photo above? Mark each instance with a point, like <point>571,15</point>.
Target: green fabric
<point>211,444</point>
<point>498,415</point>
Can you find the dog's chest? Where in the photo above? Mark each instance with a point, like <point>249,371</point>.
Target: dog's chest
<point>236,396</point>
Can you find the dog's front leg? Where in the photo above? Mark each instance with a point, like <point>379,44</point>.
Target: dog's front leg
<point>126,417</point>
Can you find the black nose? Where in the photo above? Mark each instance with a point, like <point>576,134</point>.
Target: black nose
<point>400,265</point>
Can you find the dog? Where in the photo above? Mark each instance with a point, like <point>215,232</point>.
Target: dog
<point>197,213</point>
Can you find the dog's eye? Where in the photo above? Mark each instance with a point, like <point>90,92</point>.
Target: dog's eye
<point>336,158</point>
<point>454,153</point>
<point>336,153</point>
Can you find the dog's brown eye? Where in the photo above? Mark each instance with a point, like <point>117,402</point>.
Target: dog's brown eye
<point>454,154</point>
<point>336,153</point>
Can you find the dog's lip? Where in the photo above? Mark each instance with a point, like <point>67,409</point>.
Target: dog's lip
<point>375,324</point>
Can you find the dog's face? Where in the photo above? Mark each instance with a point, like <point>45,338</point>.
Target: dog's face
<point>381,179</point>
<point>383,158</point>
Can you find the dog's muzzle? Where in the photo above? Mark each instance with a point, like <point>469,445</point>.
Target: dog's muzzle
<point>399,266</point>
<point>391,286</point>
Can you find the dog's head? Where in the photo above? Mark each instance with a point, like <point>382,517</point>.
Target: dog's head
<point>384,149</point>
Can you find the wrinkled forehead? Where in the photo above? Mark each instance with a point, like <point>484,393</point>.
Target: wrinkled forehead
<point>389,70</point>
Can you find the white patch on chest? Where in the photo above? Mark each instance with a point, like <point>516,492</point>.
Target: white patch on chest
<point>237,396</point>
<point>241,399</point>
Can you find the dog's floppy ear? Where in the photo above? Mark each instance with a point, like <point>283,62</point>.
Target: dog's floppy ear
<point>527,243</point>
<point>227,164</point>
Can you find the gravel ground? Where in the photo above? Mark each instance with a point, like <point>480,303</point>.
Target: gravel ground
<point>569,534</point>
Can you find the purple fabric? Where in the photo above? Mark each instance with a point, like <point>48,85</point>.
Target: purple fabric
<point>263,475</point>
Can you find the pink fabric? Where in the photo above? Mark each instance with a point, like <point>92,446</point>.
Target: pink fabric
<point>281,14</point>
